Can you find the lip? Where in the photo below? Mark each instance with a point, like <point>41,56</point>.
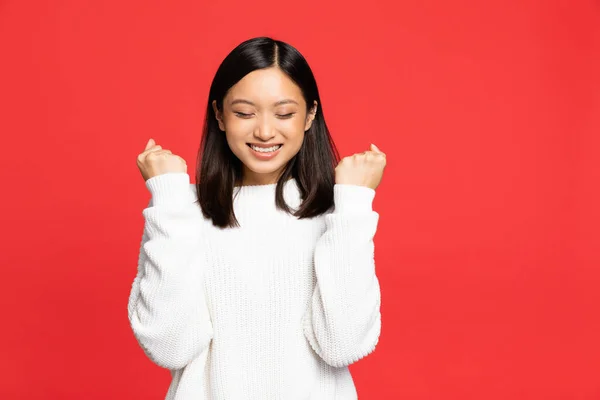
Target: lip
<point>264,156</point>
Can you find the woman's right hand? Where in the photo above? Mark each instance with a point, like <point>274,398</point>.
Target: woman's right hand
<point>155,160</point>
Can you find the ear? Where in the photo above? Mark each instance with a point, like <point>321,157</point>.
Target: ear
<point>310,117</point>
<point>218,115</point>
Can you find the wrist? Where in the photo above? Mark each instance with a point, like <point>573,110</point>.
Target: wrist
<point>352,198</point>
<point>172,188</point>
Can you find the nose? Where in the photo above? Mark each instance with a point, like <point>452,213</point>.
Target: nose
<point>264,130</point>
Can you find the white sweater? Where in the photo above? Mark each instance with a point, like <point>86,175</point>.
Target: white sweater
<point>275,309</point>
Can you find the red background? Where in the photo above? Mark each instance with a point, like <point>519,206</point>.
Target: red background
<point>488,248</point>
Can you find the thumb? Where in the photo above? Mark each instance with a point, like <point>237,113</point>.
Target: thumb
<point>150,144</point>
<point>375,148</point>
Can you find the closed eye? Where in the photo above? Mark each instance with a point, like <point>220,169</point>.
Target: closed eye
<point>285,116</point>
<point>242,115</point>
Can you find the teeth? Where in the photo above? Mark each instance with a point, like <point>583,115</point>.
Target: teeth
<point>265,150</point>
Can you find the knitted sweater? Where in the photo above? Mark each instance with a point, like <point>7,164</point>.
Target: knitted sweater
<point>275,309</point>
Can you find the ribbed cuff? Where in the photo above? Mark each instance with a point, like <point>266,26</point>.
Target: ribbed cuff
<point>172,188</point>
<point>353,198</point>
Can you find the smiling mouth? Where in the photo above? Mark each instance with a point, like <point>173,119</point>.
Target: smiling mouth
<point>262,149</point>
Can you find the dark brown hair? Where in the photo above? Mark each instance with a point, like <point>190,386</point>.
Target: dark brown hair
<point>219,169</point>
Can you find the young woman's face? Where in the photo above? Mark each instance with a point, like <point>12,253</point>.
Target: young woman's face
<point>264,118</point>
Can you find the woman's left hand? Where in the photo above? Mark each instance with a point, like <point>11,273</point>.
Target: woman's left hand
<point>362,169</point>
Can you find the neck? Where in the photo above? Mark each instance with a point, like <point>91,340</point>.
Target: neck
<point>251,178</point>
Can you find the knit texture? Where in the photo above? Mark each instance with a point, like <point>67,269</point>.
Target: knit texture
<point>274,309</point>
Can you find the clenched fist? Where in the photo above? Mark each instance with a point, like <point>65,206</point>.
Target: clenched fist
<point>155,160</point>
<point>363,169</point>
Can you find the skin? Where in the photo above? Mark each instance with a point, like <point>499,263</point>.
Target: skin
<point>264,107</point>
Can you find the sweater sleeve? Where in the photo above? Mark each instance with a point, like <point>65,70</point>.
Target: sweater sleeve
<point>167,307</point>
<point>343,320</point>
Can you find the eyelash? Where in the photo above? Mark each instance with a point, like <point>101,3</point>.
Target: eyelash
<point>284,116</point>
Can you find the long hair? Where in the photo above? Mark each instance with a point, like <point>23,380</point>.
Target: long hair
<point>219,169</point>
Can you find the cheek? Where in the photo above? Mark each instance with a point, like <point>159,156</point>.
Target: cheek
<point>294,137</point>
<point>238,129</point>
<point>293,129</point>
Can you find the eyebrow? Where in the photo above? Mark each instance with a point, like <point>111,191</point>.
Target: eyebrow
<point>278,103</point>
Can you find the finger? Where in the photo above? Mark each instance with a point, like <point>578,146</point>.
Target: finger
<point>376,151</point>
<point>375,148</point>
<point>182,160</point>
<point>156,147</point>
<point>150,150</point>
<point>150,143</point>
<point>159,153</point>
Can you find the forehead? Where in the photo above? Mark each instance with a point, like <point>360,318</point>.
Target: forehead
<point>265,86</point>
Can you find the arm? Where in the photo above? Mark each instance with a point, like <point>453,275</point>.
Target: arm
<point>343,320</point>
<point>167,306</point>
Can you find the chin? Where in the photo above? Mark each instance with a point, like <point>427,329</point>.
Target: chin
<point>264,168</point>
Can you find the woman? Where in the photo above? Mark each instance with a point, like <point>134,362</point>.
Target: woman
<point>259,282</point>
